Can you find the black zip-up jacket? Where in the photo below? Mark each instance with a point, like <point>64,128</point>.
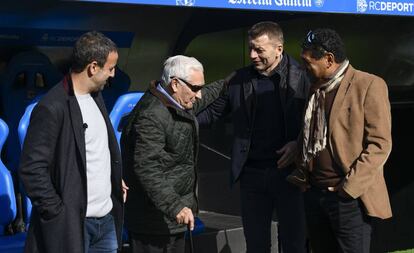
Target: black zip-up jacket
<point>160,148</point>
<point>239,100</point>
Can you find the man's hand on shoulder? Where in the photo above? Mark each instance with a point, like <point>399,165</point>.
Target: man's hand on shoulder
<point>185,216</point>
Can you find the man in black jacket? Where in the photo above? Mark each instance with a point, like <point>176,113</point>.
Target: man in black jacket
<point>70,164</point>
<point>266,101</point>
<point>159,150</point>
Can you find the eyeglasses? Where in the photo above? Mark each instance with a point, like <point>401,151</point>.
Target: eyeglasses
<point>312,40</point>
<point>193,88</point>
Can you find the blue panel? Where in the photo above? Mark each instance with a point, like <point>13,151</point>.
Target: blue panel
<point>55,37</point>
<point>122,108</point>
<point>12,243</point>
<point>379,7</point>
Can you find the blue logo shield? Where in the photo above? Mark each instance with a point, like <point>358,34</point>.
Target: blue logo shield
<point>185,2</point>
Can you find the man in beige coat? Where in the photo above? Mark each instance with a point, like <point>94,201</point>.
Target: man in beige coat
<point>346,140</point>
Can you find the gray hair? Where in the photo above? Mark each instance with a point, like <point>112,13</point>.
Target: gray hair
<point>180,66</point>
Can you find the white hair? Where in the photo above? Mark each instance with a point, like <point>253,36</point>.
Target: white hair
<point>180,66</point>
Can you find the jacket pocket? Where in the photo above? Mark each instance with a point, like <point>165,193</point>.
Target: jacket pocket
<point>53,231</point>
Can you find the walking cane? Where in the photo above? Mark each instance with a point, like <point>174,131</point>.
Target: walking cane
<point>190,235</point>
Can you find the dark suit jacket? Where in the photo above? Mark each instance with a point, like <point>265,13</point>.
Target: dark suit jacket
<point>240,101</point>
<point>53,172</point>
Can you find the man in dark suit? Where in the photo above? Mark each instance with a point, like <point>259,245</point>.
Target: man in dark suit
<point>70,164</point>
<point>266,101</point>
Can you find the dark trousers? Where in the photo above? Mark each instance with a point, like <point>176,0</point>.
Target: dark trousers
<point>262,192</point>
<point>157,243</point>
<point>335,223</point>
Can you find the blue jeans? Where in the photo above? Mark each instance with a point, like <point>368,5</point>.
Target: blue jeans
<point>100,235</point>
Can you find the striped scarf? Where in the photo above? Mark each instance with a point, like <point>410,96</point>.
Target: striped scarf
<point>315,123</point>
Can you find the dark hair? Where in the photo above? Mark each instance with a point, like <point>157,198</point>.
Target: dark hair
<point>91,46</point>
<point>324,40</point>
<point>271,29</point>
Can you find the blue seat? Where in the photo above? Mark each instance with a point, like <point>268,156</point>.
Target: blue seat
<point>28,74</point>
<point>118,116</point>
<point>8,243</point>
<point>12,243</point>
<point>21,131</point>
<point>122,108</point>
<point>7,199</point>
<point>24,123</point>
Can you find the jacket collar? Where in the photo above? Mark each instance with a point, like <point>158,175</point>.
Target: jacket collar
<point>343,89</point>
<point>249,86</point>
<point>76,116</point>
<point>167,103</point>
<point>280,69</point>
<point>68,85</point>
<point>154,91</point>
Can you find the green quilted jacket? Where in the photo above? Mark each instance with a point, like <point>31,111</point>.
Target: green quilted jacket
<point>159,152</point>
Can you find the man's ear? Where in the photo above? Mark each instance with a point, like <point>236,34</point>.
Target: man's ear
<point>93,68</point>
<point>330,59</point>
<point>279,49</point>
<point>174,83</point>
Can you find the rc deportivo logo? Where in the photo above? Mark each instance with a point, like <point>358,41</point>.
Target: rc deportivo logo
<point>319,3</point>
<point>362,6</point>
<point>185,2</point>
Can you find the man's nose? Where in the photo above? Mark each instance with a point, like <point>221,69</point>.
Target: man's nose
<point>253,54</point>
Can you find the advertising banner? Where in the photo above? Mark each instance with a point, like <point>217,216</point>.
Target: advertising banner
<point>376,7</point>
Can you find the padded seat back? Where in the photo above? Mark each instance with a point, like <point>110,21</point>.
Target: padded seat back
<point>7,197</point>
<point>22,130</point>
<point>28,75</point>
<point>121,110</point>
